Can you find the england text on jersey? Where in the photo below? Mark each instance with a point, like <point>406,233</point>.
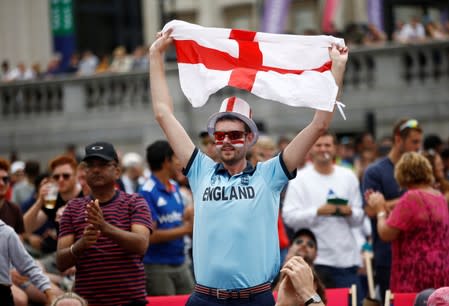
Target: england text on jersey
<point>221,193</point>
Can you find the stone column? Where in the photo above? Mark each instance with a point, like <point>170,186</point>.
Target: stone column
<point>25,33</point>
<point>151,17</point>
<point>209,14</point>
<point>359,11</point>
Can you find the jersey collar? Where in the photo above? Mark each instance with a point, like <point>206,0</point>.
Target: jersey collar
<point>161,186</point>
<point>249,169</point>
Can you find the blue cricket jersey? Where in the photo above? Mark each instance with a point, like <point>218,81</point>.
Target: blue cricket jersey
<point>235,236</point>
<point>167,210</point>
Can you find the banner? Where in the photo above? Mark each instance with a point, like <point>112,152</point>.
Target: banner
<point>329,11</point>
<point>63,29</point>
<point>62,17</point>
<point>375,13</point>
<point>275,13</point>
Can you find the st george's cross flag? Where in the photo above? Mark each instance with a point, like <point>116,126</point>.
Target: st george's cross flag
<point>291,69</point>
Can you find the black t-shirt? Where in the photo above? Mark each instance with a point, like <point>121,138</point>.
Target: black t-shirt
<point>49,244</point>
<point>51,213</point>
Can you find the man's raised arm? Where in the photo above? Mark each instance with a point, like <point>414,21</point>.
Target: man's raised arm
<point>162,102</point>
<point>294,154</point>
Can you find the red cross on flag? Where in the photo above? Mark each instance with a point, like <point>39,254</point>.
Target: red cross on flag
<point>291,69</point>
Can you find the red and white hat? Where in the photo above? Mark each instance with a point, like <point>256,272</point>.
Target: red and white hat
<point>439,297</point>
<point>236,107</point>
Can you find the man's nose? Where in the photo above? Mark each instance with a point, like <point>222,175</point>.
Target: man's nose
<point>226,138</point>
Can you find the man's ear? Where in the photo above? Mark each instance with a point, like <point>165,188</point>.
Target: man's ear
<point>118,172</point>
<point>397,138</point>
<point>166,162</point>
<point>250,137</point>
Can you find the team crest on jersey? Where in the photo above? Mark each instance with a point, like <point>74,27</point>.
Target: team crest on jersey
<point>161,202</point>
<point>215,179</point>
<point>244,180</point>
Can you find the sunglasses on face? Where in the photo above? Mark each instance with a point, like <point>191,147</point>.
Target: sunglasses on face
<point>65,176</point>
<point>409,124</point>
<point>232,135</point>
<point>301,241</point>
<point>5,179</point>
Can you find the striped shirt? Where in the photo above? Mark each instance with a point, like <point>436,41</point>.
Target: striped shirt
<point>106,274</point>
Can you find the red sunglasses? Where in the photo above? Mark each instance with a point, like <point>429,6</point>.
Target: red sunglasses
<point>232,135</point>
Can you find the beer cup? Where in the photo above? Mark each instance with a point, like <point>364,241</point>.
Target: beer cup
<point>52,195</point>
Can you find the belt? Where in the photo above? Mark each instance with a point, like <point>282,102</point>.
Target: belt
<point>224,294</point>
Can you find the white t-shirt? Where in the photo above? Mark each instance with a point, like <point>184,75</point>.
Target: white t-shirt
<point>408,32</point>
<point>337,246</point>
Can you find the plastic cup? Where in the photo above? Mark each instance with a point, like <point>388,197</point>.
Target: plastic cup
<point>50,198</point>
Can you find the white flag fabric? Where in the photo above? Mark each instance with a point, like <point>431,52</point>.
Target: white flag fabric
<point>291,69</point>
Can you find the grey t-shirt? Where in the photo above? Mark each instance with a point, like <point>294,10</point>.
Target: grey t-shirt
<point>13,252</point>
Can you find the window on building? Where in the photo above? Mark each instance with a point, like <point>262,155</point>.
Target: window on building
<point>239,17</point>
<point>119,22</point>
<point>304,17</point>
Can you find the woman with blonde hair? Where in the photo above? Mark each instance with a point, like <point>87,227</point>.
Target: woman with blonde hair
<point>418,228</point>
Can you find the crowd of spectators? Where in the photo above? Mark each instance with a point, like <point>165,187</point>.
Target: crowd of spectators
<point>27,183</point>
<point>79,64</point>
<point>86,63</point>
<point>416,30</point>
<point>24,189</point>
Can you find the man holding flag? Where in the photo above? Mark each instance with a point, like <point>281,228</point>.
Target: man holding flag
<point>235,242</point>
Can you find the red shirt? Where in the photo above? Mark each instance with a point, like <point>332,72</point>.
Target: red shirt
<point>283,238</point>
<point>420,253</point>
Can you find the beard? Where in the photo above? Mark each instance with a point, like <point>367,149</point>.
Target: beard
<point>230,154</point>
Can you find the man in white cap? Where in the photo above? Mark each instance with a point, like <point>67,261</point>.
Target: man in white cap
<point>235,241</point>
<point>132,177</point>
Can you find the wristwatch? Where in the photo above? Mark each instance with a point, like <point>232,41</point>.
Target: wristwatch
<point>315,299</point>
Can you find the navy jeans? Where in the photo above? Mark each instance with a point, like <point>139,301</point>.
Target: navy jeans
<point>260,299</point>
<point>339,278</point>
<point>383,280</point>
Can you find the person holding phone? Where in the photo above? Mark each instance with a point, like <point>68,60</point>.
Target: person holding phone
<point>326,199</point>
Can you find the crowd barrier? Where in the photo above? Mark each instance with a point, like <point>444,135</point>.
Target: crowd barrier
<point>399,299</point>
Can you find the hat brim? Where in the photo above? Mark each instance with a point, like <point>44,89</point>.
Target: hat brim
<point>108,158</point>
<point>252,125</point>
<point>307,232</point>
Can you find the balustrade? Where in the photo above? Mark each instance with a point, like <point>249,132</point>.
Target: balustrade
<point>389,82</point>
